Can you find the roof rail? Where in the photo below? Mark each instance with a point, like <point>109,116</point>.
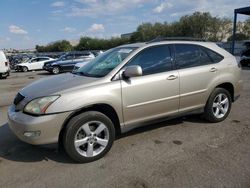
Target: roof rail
<point>159,39</point>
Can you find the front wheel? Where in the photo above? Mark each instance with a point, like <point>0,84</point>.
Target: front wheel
<point>88,136</point>
<point>55,70</point>
<point>25,69</point>
<point>218,105</point>
<point>2,77</point>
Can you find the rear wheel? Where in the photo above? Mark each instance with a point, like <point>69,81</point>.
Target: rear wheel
<point>88,136</point>
<point>218,105</point>
<point>55,70</point>
<point>2,77</point>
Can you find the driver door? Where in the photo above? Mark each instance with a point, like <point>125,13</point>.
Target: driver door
<point>155,94</point>
<point>33,64</point>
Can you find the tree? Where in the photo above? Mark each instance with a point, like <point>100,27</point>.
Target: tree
<point>238,37</point>
<point>87,43</point>
<point>197,25</point>
<point>246,27</point>
<point>59,46</point>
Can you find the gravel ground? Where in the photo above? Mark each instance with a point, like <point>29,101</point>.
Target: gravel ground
<point>184,152</point>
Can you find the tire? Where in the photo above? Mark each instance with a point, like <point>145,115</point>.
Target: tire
<point>77,129</point>
<point>25,69</point>
<point>217,109</point>
<point>56,70</point>
<point>3,77</point>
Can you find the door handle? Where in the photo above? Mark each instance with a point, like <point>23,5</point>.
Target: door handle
<point>213,69</point>
<point>172,77</point>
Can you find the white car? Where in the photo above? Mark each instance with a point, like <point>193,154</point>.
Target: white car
<point>4,66</point>
<point>36,63</point>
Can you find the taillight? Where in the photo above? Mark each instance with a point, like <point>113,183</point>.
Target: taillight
<point>6,64</point>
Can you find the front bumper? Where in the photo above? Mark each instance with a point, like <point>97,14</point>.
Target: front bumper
<point>19,68</point>
<point>48,126</point>
<point>47,68</point>
<point>5,74</point>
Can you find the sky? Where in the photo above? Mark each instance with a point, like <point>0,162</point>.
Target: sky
<point>26,23</point>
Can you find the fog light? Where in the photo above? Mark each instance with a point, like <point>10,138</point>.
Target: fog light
<point>32,134</point>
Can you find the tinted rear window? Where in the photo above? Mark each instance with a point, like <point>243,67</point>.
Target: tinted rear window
<point>216,58</point>
<point>189,55</point>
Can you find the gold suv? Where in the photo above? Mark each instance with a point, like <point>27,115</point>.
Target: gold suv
<point>123,88</point>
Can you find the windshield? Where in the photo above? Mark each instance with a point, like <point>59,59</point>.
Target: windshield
<point>64,56</point>
<point>105,62</point>
<point>26,60</point>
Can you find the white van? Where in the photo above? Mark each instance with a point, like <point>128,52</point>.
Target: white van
<point>4,66</point>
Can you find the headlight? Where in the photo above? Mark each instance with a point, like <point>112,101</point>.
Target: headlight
<point>75,69</point>
<point>39,106</point>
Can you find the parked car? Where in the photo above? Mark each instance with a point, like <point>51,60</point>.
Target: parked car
<point>245,55</point>
<point>17,59</point>
<point>36,63</point>
<point>67,62</point>
<point>4,66</point>
<point>123,88</point>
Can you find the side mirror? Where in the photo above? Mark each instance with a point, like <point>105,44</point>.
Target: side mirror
<point>132,71</point>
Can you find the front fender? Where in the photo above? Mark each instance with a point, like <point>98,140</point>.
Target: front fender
<point>75,99</point>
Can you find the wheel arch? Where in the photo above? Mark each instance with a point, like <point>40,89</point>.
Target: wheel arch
<point>229,87</point>
<point>106,109</point>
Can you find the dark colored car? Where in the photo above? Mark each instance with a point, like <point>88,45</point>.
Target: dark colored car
<point>245,55</point>
<point>67,62</point>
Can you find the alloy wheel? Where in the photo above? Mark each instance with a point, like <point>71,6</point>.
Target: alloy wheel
<point>91,139</point>
<point>55,70</point>
<point>220,105</point>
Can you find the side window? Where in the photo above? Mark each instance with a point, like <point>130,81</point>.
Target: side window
<point>153,60</point>
<point>187,55</point>
<point>41,59</point>
<point>81,56</point>
<point>215,57</point>
<point>69,57</point>
<point>205,59</point>
<point>34,60</point>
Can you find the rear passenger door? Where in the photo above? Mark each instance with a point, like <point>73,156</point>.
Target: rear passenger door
<point>154,94</point>
<point>198,71</point>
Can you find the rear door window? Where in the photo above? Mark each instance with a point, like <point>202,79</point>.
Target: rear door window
<point>216,58</point>
<point>189,55</point>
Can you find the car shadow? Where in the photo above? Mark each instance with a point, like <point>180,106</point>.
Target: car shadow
<point>45,73</point>
<point>11,148</point>
<point>170,122</point>
<point>245,68</point>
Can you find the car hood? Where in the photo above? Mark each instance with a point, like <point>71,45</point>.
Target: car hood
<point>50,61</point>
<point>58,84</point>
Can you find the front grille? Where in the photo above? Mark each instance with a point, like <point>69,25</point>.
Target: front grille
<point>18,98</point>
